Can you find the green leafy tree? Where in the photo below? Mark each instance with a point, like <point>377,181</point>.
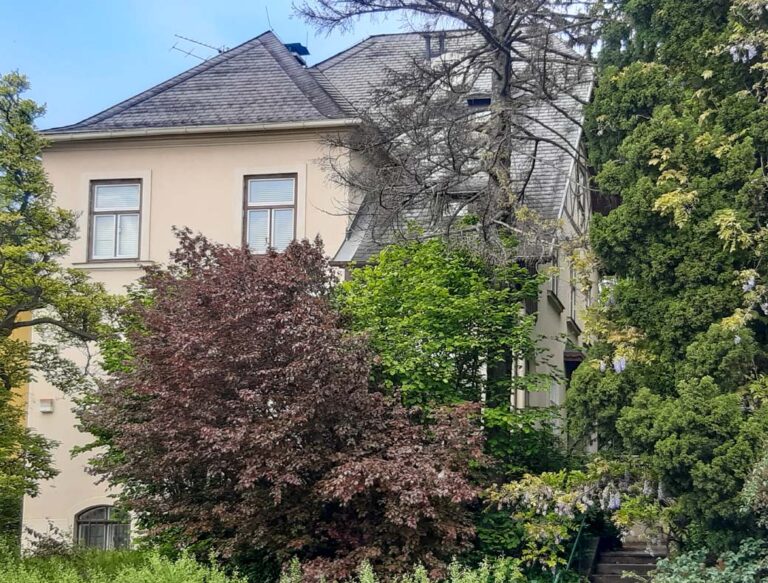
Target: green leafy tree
<point>447,327</point>
<point>35,290</point>
<point>439,319</point>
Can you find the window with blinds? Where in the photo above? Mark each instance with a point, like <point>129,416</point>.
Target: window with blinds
<point>270,211</point>
<point>115,219</point>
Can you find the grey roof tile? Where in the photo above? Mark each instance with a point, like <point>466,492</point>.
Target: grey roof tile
<point>358,71</point>
<point>260,82</point>
<point>257,82</point>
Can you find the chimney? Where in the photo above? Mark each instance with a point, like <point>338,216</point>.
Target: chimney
<point>299,51</point>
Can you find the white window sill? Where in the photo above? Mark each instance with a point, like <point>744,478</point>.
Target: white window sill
<point>118,264</point>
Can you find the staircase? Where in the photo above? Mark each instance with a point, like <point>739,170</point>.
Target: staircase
<point>632,557</point>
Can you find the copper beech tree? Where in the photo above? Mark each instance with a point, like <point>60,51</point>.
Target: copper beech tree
<point>244,418</point>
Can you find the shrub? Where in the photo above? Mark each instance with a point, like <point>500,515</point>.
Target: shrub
<point>747,565</point>
<point>244,421</point>
<point>112,567</point>
<point>506,570</point>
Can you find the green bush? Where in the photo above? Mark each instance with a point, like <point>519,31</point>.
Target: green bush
<point>111,567</point>
<point>747,565</point>
<point>498,571</point>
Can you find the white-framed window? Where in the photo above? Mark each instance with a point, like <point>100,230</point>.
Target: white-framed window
<point>115,222</point>
<point>573,307</point>
<point>554,280</point>
<point>270,212</point>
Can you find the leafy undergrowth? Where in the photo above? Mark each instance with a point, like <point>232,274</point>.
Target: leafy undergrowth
<point>111,567</point>
<point>498,571</point>
<point>748,564</point>
<point>151,567</point>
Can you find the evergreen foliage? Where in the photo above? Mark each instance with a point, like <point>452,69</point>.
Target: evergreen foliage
<point>678,132</point>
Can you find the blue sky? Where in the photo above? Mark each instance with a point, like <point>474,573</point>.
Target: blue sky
<point>82,56</point>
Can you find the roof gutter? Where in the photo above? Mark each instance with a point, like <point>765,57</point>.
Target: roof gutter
<point>195,130</point>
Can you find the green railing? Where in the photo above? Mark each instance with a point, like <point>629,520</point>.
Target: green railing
<point>577,553</point>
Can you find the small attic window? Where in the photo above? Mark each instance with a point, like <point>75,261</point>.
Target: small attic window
<point>435,45</point>
<point>479,101</point>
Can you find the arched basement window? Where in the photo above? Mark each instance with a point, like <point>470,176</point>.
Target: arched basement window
<point>103,527</point>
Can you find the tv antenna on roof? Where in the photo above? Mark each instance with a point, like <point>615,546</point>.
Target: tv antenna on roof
<point>191,52</point>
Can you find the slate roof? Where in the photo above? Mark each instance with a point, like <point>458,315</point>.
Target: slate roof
<point>365,66</point>
<point>259,81</point>
<point>546,173</point>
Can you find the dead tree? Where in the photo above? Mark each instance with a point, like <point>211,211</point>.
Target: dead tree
<point>450,143</point>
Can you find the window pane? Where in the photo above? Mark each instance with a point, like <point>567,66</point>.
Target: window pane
<point>270,191</point>
<point>119,536</point>
<point>258,231</point>
<point>128,236</point>
<point>282,228</point>
<point>99,513</point>
<point>92,535</point>
<point>103,236</point>
<point>112,197</point>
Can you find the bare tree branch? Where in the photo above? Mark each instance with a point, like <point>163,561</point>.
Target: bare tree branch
<point>425,147</point>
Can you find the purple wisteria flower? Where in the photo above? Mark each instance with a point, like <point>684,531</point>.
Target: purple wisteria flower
<point>615,502</point>
<point>743,53</point>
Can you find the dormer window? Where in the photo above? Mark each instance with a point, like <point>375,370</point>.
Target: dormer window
<point>435,45</point>
<point>479,101</point>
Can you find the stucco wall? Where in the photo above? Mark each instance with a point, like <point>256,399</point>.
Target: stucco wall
<point>198,182</point>
<point>195,182</point>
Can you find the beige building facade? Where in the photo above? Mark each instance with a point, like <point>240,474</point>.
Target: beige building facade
<point>190,153</point>
<point>197,181</point>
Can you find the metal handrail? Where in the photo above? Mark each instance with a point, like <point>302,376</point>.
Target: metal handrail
<point>573,550</point>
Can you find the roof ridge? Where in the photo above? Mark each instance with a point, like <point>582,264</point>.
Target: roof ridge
<point>303,80</point>
<point>355,48</point>
<point>336,94</point>
<point>346,53</point>
<point>164,86</point>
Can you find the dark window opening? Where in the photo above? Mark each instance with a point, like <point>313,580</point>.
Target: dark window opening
<point>479,101</point>
<point>571,361</point>
<point>435,45</point>
<point>103,527</point>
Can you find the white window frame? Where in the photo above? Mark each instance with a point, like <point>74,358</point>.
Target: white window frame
<point>249,206</point>
<point>117,215</point>
<point>574,293</point>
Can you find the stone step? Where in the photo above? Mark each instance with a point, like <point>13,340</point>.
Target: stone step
<point>609,579</point>
<point>656,549</point>
<point>632,556</point>
<point>619,568</point>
